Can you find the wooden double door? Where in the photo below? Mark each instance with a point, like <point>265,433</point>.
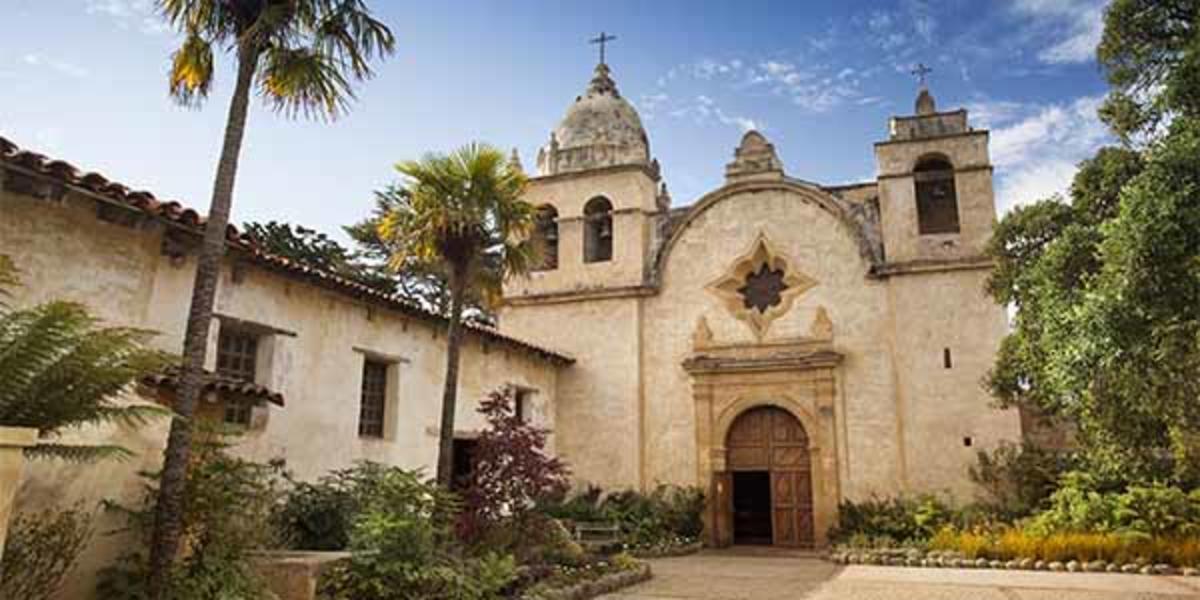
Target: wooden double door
<point>767,455</point>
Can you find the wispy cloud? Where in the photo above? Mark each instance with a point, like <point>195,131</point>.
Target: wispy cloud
<point>703,109</point>
<point>130,14</point>
<point>63,67</point>
<point>1075,26</point>
<point>1036,148</point>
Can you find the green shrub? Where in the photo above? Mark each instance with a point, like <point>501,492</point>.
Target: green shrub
<point>41,550</point>
<point>1017,479</point>
<point>319,515</point>
<point>228,502</point>
<point>667,516</point>
<point>404,548</point>
<point>1154,510</point>
<point>891,521</point>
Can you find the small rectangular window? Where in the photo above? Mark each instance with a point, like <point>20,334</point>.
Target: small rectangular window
<point>521,405</point>
<point>373,407</point>
<point>237,357</point>
<point>946,360</point>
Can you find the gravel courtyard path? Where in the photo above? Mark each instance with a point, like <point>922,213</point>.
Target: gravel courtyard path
<point>754,574</point>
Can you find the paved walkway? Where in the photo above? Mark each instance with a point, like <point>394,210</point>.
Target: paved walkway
<point>773,575</point>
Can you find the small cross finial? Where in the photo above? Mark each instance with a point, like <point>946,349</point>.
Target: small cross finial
<point>922,72</point>
<point>602,41</point>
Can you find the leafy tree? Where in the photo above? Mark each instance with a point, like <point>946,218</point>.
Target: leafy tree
<point>1150,52</point>
<point>423,283</point>
<point>1107,287</point>
<point>461,215</point>
<point>62,369</point>
<point>512,473</point>
<point>303,57</point>
<point>317,250</point>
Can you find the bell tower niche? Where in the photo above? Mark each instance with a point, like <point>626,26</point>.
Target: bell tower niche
<point>935,186</point>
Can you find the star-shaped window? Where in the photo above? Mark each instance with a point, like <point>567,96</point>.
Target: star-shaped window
<point>764,288</point>
<point>760,286</point>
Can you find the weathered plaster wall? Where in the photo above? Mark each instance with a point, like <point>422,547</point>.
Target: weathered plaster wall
<point>936,312</point>
<point>65,252</point>
<point>817,244</point>
<point>597,401</point>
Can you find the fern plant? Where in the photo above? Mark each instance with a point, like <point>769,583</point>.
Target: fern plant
<point>61,368</point>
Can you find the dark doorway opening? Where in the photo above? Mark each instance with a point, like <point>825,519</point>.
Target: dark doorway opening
<point>752,507</point>
<point>464,463</point>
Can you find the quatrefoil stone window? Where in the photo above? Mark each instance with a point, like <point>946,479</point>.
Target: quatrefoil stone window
<point>760,286</point>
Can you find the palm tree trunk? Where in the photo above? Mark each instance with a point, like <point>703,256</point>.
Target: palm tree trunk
<point>164,543</point>
<point>445,465</point>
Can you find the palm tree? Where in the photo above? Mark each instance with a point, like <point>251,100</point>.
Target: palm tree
<point>460,214</point>
<point>61,369</point>
<point>303,57</point>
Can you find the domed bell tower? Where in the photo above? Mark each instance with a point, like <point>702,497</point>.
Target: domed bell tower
<point>597,189</point>
<point>935,186</point>
<point>600,196</point>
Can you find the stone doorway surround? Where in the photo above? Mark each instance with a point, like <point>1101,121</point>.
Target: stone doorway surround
<point>797,375</point>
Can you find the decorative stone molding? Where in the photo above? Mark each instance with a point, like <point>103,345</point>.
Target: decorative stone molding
<point>738,288</point>
<point>797,375</point>
<point>754,157</point>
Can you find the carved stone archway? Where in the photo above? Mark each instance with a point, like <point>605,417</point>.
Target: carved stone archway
<point>797,376</point>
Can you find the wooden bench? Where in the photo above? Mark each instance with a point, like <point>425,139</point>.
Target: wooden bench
<point>597,535</point>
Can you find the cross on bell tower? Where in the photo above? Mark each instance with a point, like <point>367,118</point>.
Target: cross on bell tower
<point>602,40</point>
<point>922,72</point>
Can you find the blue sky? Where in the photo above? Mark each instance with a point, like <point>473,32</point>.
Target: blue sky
<point>84,80</point>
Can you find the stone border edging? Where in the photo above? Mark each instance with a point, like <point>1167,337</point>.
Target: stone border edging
<point>674,551</point>
<point>917,559</point>
<point>605,584</point>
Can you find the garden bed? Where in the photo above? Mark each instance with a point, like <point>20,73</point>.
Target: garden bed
<point>588,581</point>
<point>676,548</point>
<point>911,557</point>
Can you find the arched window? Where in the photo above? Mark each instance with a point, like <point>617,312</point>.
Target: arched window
<point>937,202</point>
<point>547,232</point>
<point>598,230</point>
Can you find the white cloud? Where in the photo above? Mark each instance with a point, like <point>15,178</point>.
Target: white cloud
<point>140,14</point>
<point>1035,149</point>
<point>61,66</point>
<point>1074,27</point>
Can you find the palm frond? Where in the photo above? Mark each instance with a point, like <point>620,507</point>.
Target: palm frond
<point>79,453</point>
<point>300,81</point>
<point>191,74</point>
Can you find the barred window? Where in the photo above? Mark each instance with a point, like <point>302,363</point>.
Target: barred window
<point>374,399</point>
<point>237,356</point>
<point>547,230</point>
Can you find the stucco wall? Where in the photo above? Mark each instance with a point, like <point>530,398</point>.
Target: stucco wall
<point>597,403</point>
<point>936,312</point>
<point>65,252</point>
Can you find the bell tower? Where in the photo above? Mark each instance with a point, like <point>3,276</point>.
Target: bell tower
<point>600,198</point>
<point>935,186</point>
<point>597,189</point>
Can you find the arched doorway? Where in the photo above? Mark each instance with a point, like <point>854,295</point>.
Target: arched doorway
<point>770,475</point>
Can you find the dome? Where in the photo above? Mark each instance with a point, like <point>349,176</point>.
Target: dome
<point>600,129</point>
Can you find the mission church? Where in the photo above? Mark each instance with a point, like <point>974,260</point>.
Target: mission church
<point>783,344</point>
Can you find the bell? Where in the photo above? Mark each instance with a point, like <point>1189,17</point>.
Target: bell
<point>606,230</point>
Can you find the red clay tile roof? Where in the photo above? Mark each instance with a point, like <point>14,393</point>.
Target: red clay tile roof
<point>175,213</point>
<point>214,382</point>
